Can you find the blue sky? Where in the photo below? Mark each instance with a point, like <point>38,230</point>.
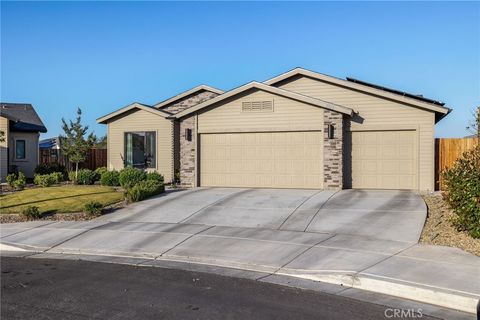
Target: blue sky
<point>102,56</point>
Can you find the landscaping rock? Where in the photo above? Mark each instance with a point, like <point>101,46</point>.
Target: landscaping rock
<point>439,230</point>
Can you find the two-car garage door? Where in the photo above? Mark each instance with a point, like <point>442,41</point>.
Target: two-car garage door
<point>262,159</point>
<point>379,159</point>
<point>384,159</point>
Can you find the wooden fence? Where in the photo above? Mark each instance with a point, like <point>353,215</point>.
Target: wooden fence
<point>95,158</point>
<point>447,151</point>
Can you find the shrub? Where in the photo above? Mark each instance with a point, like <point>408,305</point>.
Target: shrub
<point>98,172</point>
<point>85,176</point>
<point>110,178</point>
<point>93,208</point>
<point>72,177</point>
<point>16,181</point>
<point>11,180</point>
<point>143,190</point>
<point>20,182</point>
<point>155,176</point>
<point>44,180</point>
<point>131,176</point>
<point>50,168</point>
<point>463,191</point>
<point>31,212</point>
<point>135,194</point>
<point>57,177</point>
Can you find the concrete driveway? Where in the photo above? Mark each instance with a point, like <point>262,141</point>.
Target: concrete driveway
<point>387,215</point>
<point>354,238</point>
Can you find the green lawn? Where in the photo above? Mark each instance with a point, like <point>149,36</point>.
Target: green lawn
<point>62,199</point>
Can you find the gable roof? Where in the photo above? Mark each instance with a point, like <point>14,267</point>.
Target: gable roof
<point>369,88</point>
<point>23,115</point>
<point>186,94</point>
<point>131,106</point>
<point>267,88</point>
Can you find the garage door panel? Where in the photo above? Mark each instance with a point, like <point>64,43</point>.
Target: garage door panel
<point>384,159</point>
<point>268,159</point>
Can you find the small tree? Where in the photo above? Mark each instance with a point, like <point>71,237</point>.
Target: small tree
<point>74,145</point>
<point>100,142</point>
<point>474,127</point>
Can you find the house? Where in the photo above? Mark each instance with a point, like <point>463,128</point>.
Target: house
<point>50,150</point>
<point>300,129</point>
<point>21,126</point>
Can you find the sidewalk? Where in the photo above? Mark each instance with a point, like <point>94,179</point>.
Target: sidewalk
<point>441,276</point>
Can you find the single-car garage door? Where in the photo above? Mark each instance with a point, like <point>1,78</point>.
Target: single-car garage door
<point>384,159</point>
<point>262,159</point>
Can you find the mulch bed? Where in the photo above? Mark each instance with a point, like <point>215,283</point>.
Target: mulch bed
<point>438,229</point>
<point>74,216</point>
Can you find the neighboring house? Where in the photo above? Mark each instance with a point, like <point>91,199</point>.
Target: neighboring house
<point>22,127</point>
<point>49,150</point>
<point>301,129</point>
<point>50,143</point>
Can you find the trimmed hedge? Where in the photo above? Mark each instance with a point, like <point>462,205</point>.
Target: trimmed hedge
<point>16,181</point>
<point>155,176</point>
<point>463,191</point>
<point>86,177</point>
<point>99,171</point>
<point>131,176</point>
<point>144,189</point>
<point>46,180</point>
<point>110,178</point>
<point>31,212</point>
<point>93,208</point>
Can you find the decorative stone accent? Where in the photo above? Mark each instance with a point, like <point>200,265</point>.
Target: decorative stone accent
<point>333,151</point>
<point>189,101</point>
<point>187,152</point>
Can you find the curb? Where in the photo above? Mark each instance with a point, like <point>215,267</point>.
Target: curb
<point>447,298</point>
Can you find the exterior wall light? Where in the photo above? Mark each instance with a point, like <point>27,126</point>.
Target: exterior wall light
<point>188,134</point>
<point>331,131</point>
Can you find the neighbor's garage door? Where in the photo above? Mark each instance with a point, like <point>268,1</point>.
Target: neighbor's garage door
<point>267,159</point>
<point>384,159</point>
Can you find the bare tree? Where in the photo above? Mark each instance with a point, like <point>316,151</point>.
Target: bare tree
<point>474,126</point>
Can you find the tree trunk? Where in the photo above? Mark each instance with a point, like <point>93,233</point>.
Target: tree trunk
<point>76,170</point>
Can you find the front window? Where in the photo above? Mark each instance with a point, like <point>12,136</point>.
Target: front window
<point>20,149</point>
<point>140,149</point>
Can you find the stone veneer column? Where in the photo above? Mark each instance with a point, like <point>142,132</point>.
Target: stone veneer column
<point>187,153</point>
<point>333,151</point>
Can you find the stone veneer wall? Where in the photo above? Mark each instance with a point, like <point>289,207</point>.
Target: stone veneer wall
<point>190,101</point>
<point>187,152</point>
<point>333,151</point>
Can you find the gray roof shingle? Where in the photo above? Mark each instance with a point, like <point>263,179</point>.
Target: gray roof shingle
<point>23,115</point>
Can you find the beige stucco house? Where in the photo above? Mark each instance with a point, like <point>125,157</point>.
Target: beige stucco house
<point>21,126</point>
<point>301,129</point>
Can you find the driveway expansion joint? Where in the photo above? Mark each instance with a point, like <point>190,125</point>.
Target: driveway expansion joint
<point>230,195</point>
<point>319,209</point>
<point>295,210</point>
<point>75,236</point>
<point>41,225</point>
<point>183,241</point>
<point>296,256</point>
